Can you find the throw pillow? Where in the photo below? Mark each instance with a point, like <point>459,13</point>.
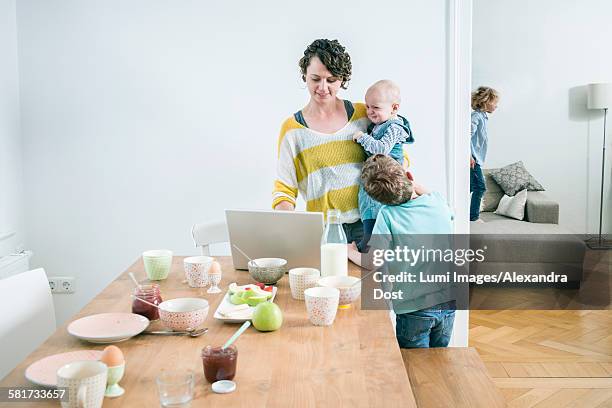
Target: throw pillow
<point>514,178</point>
<point>494,193</point>
<point>513,207</point>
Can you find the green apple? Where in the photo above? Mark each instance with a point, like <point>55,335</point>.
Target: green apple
<point>267,316</point>
<point>236,299</point>
<point>255,300</point>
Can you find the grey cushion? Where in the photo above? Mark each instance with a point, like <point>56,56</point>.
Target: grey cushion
<point>494,193</point>
<point>509,240</point>
<point>514,178</point>
<point>541,209</point>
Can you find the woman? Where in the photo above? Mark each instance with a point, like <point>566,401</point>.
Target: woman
<point>316,152</point>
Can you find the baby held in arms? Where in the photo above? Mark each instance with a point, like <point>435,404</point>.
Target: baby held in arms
<point>386,135</point>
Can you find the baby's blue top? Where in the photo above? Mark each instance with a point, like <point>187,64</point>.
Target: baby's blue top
<point>387,138</point>
<point>480,139</point>
<point>397,225</point>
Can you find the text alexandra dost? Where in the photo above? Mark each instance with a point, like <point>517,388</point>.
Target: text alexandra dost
<point>409,257</point>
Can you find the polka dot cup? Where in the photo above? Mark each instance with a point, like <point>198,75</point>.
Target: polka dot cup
<point>322,305</point>
<point>196,270</point>
<point>301,279</point>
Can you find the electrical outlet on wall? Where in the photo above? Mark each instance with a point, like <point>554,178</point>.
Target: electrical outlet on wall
<point>61,284</point>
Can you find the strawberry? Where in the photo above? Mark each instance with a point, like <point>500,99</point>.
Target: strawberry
<point>268,288</point>
<point>260,285</point>
<point>247,288</point>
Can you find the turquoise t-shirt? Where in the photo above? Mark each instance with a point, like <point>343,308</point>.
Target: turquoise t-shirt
<point>400,225</point>
<point>426,214</point>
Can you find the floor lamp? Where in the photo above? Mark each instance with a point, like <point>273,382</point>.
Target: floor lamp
<point>600,97</point>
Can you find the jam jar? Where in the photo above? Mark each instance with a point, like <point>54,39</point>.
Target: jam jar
<point>149,292</point>
<point>219,364</point>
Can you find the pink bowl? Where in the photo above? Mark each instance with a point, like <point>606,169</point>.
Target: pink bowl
<point>183,313</point>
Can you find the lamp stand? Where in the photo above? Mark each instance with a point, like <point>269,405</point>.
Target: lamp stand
<point>599,242</point>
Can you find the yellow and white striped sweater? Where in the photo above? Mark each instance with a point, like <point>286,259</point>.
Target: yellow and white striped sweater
<point>324,168</point>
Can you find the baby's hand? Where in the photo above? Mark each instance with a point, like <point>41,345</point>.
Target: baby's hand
<point>357,135</point>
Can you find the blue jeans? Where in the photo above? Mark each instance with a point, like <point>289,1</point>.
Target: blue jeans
<point>425,328</point>
<point>477,188</point>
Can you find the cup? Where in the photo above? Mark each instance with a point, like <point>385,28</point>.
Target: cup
<point>157,263</point>
<point>196,270</point>
<point>301,279</point>
<point>322,305</point>
<point>175,388</point>
<point>85,382</point>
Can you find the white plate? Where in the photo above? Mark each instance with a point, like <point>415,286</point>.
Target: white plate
<point>44,371</point>
<point>239,317</point>
<point>108,327</point>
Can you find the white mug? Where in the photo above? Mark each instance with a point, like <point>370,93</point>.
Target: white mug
<point>301,279</point>
<point>196,270</point>
<point>85,382</point>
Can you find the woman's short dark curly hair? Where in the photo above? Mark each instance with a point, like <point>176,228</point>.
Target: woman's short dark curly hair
<point>333,55</point>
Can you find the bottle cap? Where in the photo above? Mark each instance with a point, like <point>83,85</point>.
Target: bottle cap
<point>224,387</point>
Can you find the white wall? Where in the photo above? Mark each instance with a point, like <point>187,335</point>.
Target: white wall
<point>11,165</point>
<point>540,55</point>
<point>143,117</point>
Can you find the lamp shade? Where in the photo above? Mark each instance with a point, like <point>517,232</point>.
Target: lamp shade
<point>600,96</point>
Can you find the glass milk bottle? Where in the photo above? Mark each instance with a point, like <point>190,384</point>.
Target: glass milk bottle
<point>334,260</point>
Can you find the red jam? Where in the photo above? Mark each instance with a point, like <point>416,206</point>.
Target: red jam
<point>150,293</point>
<point>219,364</point>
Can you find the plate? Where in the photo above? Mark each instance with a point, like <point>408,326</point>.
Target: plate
<point>108,327</point>
<point>239,317</point>
<point>44,371</point>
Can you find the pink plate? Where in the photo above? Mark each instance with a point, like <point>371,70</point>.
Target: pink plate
<point>43,372</point>
<point>108,327</point>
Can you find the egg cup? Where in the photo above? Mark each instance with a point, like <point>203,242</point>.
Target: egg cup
<point>115,374</point>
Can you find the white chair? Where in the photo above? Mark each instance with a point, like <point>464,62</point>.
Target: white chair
<point>208,233</point>
<point>28,316</point>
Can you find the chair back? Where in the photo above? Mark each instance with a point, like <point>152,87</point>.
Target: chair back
<point>208,233</point>
<point>28,316</point>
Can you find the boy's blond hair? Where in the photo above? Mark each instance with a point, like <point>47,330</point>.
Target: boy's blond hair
<point>385,181</point>
<point>482,96</point>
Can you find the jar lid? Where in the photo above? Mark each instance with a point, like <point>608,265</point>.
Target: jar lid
<point>224,387</point>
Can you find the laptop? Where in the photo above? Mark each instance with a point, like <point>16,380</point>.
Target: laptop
<point>291,235</point>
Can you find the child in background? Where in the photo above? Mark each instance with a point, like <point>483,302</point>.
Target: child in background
<point>386,135</point>
<point>425,317</point>
<point>484,102</point>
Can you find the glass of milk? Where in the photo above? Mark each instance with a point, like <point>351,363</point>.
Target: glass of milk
<point>334,254</point>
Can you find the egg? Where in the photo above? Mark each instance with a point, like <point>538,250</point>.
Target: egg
<point>112,356</point>
<point>215,268</point>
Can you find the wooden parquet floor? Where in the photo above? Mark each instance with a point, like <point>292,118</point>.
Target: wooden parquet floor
<point>548,358</point>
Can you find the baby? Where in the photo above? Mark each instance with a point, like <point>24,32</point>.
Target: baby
<point>386,135</point>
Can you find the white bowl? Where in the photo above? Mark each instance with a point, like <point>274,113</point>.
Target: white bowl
<point>349,287</point>
<point>183,313</point>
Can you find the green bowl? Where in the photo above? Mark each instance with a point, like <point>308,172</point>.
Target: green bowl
<point>157,263</point>
<point>267,270</point>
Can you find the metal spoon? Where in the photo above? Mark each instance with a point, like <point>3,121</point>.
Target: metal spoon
<point>247,257</point>
<point>190,333</point>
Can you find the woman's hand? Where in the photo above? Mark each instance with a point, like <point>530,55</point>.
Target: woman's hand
<point>472,162</point>
<point>353,253</point>
<point>284,206</point>
<point>357,135</point>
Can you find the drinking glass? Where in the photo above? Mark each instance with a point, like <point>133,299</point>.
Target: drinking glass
<point>175,388</point>
<point>215,279</point>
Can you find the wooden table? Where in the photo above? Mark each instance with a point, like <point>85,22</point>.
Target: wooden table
<point>354,363</point>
